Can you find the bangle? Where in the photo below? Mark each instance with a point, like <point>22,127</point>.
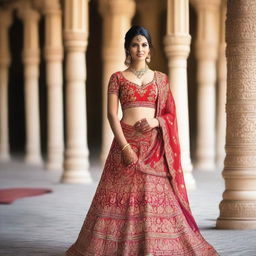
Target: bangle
<point>125,146</point>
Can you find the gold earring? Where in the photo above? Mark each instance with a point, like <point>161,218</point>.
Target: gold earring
<point>148,58</point>
<point>128,60</point>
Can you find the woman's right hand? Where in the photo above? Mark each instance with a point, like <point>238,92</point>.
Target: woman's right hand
<point>129,156</point>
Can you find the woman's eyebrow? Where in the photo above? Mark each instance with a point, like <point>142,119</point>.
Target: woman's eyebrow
<point>138,43</point>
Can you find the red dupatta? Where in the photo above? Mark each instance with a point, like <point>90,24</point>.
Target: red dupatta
<point>166,115</point>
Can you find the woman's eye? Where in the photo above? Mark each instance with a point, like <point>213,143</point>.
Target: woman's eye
<point>144,45</point>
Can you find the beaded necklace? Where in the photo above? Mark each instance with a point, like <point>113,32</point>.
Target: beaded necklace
<point>139,73</point>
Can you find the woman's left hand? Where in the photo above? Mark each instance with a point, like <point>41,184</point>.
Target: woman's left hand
<point>146,124</point>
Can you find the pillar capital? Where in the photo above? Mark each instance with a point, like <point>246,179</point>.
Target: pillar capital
<point>47,6</point>
<point>76,41</point>
<point>53,50</point>
<point>28,14</point>
<point>76,25</point>
<point>30,18</point>
<point>117,7</point>
<point>177,45</point>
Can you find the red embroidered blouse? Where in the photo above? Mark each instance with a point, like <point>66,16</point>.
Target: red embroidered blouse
<point>131,94</point>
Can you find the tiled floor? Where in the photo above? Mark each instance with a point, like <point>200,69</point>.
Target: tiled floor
<point>48,224</point>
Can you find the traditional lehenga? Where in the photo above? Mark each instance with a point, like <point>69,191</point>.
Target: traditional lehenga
<point>142,209</point>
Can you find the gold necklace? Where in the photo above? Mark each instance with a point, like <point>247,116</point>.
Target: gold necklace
<point>139,73</point>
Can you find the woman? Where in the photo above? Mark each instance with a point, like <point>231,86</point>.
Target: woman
<point>140,206</point>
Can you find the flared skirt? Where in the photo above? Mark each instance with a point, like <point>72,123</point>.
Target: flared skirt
<point>135,213</point>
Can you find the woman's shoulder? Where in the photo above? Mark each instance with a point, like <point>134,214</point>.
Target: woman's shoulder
<point>115,74</point>
<point>115,77</point>
<point>161,74</point>
<point>162,77</point>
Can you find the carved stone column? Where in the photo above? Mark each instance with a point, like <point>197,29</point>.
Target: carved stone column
<point>238,207</point>
<point>117,17</point>
<point>31,58</point>
<point>5,22</point>
<point>222,88</point>
<point>54,55</point>
<point>206,54</point>
<point>177,47</point>
<point>76,163</point>
<point>156,9</point>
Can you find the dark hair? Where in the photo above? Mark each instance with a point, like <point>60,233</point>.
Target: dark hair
<point>134,31</point>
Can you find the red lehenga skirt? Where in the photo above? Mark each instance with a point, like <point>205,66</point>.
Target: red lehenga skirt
<point>134,213</point>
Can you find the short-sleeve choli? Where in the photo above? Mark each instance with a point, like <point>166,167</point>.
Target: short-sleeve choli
<point>131,94</point>
<point>113,85</point>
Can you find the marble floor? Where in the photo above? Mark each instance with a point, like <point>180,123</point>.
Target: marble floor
<point>46,225</point>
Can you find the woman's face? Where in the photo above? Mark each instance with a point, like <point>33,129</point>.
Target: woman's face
<point>139,48</point>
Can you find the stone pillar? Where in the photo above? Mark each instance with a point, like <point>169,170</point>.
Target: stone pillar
<point>222,88</point>
<point>156,9</point>
<point>206,54</point>
<point>177,47</point>
<point>54,55</point>
<point>31,58</point>
<point>117,17</point>
<point>238,207</point>
<point>5,22</point>
<point>76,163</point>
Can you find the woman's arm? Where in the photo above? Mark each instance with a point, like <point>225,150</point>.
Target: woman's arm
<point>112,108</point>
<point>128,155</point>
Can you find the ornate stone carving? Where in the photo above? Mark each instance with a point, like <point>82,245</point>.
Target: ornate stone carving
<point>238,207</point>
<point>234,209</point>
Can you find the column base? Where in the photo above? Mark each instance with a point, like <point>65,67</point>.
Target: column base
<point>54,165</point>
<point>223,223</point>
<point>76,166</point>
<point>77,177</point>
<point>4,156</point>
<point>33,159</point>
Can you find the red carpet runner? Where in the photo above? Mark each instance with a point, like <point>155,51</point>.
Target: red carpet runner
<point>7,196</point>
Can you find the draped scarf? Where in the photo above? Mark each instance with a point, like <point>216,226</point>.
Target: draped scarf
<point>166,115</point>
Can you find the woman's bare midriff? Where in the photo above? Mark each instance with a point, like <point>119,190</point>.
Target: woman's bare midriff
<point>132,115</point>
